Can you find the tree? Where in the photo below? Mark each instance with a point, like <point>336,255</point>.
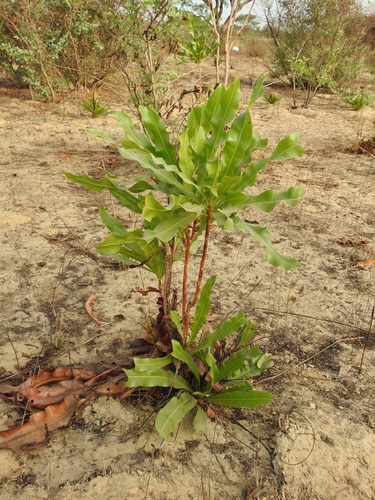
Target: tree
<point>319,43</point>
<point>228,31</point>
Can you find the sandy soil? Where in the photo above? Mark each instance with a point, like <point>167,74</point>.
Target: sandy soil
<point>316,440</point>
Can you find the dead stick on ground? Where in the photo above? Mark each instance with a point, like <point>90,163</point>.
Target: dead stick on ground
<point>346,339</point>
<point>90,311</point>
<point>366,339</point>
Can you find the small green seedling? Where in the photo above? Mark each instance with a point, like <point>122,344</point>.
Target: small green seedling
<point>92,105</point>
<point>359,98</point>
<point>272,98</point>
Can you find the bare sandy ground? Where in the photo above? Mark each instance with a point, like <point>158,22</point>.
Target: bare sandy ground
<point>316,440</point>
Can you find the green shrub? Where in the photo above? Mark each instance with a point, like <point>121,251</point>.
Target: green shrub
<point>320,44</point>
<point>184,191</point>
<point>359,98</point>
<point>58,44</point>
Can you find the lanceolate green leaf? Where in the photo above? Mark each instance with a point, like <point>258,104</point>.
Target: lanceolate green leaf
<point>257,92</point>
<point>150,364</point>
<point>233,363</point>
<point>227,183</point>
<point>287,148</point>
<point>119,192</point>
<point>158,135</point>
<point>195,118</point>
<point>239,138</point>
<point>252,367</point>
<point>185,154</point>
<point>173,412</point>
<point>156,378</point>
<point>262,235</point>
<point>213,373</point>
<point>132,249</point>
<point>132,133</point>
<point>112,223</point>
<point>140,187</point>
<point>168,228</point>
<point>179,353</point>
<point>249,175</point>
<point>164,175</point>
<point>228,106</point>
<point>152,209</point>
<point>176,320</point>
<point>200,420</point>
<point>103,135</point>
<point>267,200</point>
<point>224,330</point>
<point>211,108</point>
<point>241,399</point>
<point>202,309</point>
<point>248,333</point>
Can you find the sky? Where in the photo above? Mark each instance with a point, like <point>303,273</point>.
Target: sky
<point>258,9</point>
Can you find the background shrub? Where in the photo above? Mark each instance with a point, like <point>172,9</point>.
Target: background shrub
<point>319,43</point>
<point>50,45</point>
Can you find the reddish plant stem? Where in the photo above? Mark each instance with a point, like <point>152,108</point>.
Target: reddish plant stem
<point>186,318</point>
<point>189,238</point>
<point>168,263</point>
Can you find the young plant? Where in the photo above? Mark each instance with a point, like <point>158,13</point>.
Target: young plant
<point>92,105</point>
<point>198,47</point>
<point>358,99</point>
<point>201,374</point>
<point>272,98</point>
<point>185,191</point>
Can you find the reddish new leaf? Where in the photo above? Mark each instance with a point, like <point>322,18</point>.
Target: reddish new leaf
<point>39,424</point>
